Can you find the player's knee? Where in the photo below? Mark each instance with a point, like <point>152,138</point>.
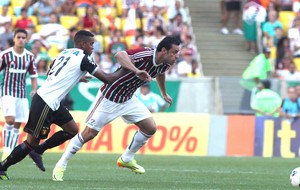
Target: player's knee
<point>152,130</point>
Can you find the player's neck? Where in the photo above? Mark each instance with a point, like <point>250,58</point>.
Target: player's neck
<point>158,59</point>
<point>19,50</point>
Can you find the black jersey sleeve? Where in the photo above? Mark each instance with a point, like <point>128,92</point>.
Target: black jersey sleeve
<point>88,65</point>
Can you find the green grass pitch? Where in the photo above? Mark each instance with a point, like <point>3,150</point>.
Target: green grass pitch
<point>99,171</point>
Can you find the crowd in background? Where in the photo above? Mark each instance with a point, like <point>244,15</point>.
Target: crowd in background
<point>117,25</point>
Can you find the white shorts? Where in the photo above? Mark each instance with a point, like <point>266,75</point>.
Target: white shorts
<point>104,111</point>
<point>17,107</point>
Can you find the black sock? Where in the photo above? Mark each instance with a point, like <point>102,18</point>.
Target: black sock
<point>18,154</point>
<point>56,139</point>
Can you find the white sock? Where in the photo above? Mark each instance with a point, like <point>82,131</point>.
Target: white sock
<point>75,144</point>
<point>138,140</point>
<point>6,134</point>
<point>14,138</point>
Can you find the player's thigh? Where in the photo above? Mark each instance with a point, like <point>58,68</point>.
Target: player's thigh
<point>22,110</point>
<point>8,106</point>
<point>64,119</point>
<point>103,112</point>
<point>39,121</point>
<point>136,112</point>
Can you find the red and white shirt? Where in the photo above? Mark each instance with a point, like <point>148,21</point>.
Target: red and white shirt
<point>123,88</point>
<point>15,67</point>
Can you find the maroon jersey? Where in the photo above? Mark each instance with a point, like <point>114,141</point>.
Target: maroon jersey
<point>123,88</point>
<point>15,68</point>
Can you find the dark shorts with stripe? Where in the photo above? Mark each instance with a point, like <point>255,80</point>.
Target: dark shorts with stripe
<point>41,116</point>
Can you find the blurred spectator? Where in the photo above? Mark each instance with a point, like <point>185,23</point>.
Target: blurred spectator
<point>286,5</point>
<point>158,35</point>
<point>42,67</point>
<point>83,3</point>
<point>67,8</point>
<point>289,74</point>
<point>24,22</point>
<point>232,7</point>
<point>151,100</point>
<point>278,35</point>
<point>53,32</point>
<point>250,31</point>
<point>177,25</point>
<point>147,6</point>
<point>139,42</point>
<point>91,20</point>
<point>195,70</point>
<point>294,37</point>
<point>70,41</point>
<point>7,34</point>
<point>184,67</point>
<point>153,20</point>
<point>296,5</point>
<point>266,102</point>
<point>116,44</point>
<point>282,51</point>
<point>258,69</point>
<point>172,72</point>
<point>298,91</point>
<point>4,18</point>
<point>176,8</point>
<point>290,107</point>
<point>43,9</point>
<point>269,29</point>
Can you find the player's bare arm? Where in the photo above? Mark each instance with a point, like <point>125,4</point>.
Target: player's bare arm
<point>106,77</point>
<point>34,86</point>
<point>160,79</point>
<point>126,63</point>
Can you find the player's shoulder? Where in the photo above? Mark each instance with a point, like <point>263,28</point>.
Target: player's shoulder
<point>142,51</point>
<point>28,52</point>
<point>6,51</point>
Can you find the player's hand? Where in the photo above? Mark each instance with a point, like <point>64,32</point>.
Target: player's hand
<point>85,79</point>
<point>32,93</point>
<point>143,75</point>
<point>168,99</point>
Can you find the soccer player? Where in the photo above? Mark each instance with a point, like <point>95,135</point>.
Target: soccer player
<point>15,62</point>
<point>116,99</point>
<point>69,67</point>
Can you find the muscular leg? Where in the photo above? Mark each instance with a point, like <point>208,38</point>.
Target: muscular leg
<point>75,144</point>
<point>20,152</point>
<point>147,128</point>
<point>70,129</point>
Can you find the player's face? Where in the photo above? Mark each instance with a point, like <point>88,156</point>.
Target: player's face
<point>172,55</point>
<point>88,46</point>
<point>20,39</point>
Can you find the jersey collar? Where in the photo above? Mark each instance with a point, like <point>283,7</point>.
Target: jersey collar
<point>154,54</point>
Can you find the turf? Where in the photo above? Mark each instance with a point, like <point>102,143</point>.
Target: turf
<point>99,171</point>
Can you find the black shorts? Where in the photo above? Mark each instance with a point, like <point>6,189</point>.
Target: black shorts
<point>233,6</point>
<point>41,116</point>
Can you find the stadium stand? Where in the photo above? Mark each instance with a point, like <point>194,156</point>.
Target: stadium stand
<point>115,15</point>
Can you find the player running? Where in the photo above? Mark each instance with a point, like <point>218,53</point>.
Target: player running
<point>116,99</point>
<point>69,67</point>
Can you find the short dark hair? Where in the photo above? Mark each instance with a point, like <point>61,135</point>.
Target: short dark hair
<point>266,84</point>
<point>167,43</point>
<point>20,30</point>
<point>82,35</point>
